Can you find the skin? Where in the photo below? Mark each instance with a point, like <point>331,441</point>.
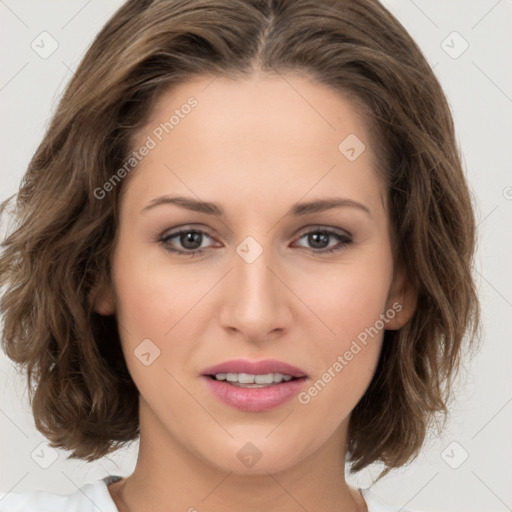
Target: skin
<point>254,146</point>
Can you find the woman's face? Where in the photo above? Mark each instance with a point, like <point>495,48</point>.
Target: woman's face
<point>308,286</point>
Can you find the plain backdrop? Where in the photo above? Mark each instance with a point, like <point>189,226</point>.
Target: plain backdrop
<point>468,44</point>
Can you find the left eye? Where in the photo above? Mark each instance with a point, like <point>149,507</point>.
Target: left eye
<point>319,240</point>
<point>191,241</point>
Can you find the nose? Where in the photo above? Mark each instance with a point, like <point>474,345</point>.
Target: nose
<point>256,302</point>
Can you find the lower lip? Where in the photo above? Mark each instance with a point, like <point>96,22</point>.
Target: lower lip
<point>254,399</point>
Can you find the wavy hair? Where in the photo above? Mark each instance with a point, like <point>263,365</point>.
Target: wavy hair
<point>57,256</point>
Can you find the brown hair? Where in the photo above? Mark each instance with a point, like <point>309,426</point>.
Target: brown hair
<point>52,264</point>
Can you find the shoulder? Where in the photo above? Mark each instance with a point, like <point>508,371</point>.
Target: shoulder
<point>375,504</point>
<point>90,497</point>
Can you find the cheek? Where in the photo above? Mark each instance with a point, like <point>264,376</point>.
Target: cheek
<point>152,297</point>
<point>350,301</point>
<point>343,363</point>
<point>153,306</point>
<point>162,303</point>
<point>346,298</point>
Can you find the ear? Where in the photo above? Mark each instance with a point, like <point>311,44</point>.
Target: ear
<point>103,298</point>
<point>402,299</point>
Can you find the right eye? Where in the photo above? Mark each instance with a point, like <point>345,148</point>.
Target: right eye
<point>190,241</point>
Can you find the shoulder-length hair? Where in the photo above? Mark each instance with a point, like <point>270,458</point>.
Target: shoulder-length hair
<point>82,396</point>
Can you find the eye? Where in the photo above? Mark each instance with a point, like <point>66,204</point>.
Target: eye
<point>190,240</point>
<point>319,240</point>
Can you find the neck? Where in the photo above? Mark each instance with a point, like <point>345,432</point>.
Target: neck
<point>169,477</point>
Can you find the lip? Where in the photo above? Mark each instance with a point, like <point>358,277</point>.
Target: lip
<point>255,368</point>
<point>254,399</point>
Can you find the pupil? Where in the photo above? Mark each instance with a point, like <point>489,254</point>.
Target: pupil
<point>192,237</point>
<point>317,240</point>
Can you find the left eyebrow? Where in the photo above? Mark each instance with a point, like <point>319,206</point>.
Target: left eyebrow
<point>321,205</point>
<point>297,210</point>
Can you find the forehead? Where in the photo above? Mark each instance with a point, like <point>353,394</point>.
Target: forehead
<point>265,136</point>
<point>266,107</point>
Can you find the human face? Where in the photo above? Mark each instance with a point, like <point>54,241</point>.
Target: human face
<point>264,286</point>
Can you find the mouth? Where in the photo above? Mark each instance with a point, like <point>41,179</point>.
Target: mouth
<point>254,386</point>
<point>247,380</point>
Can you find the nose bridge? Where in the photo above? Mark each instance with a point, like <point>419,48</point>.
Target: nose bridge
<point>254,301</point>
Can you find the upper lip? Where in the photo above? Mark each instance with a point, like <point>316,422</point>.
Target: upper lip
<point>255,368</point>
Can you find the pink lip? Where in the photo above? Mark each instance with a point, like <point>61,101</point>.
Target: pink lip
<point>255,368</point>
<point>254,399</point>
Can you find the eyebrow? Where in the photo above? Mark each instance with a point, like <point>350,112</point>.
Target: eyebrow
<point>297,210</point>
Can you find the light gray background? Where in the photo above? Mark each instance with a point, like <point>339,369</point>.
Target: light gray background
<point>479,88</point>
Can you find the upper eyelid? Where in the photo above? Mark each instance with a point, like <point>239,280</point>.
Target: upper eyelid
<point>320,227</point>
<point>171,233</point>
<point>306,229</point>
<point>301,233</point>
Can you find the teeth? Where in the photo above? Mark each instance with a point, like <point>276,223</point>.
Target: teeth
<point>247,378</point>
<point>265,379</point>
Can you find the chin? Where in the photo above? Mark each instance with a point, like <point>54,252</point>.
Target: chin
<point>257,457</point>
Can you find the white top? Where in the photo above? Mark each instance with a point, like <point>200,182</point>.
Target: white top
<point>95,496</point>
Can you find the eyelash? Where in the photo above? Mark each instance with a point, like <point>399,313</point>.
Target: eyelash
<point>164,238</point>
